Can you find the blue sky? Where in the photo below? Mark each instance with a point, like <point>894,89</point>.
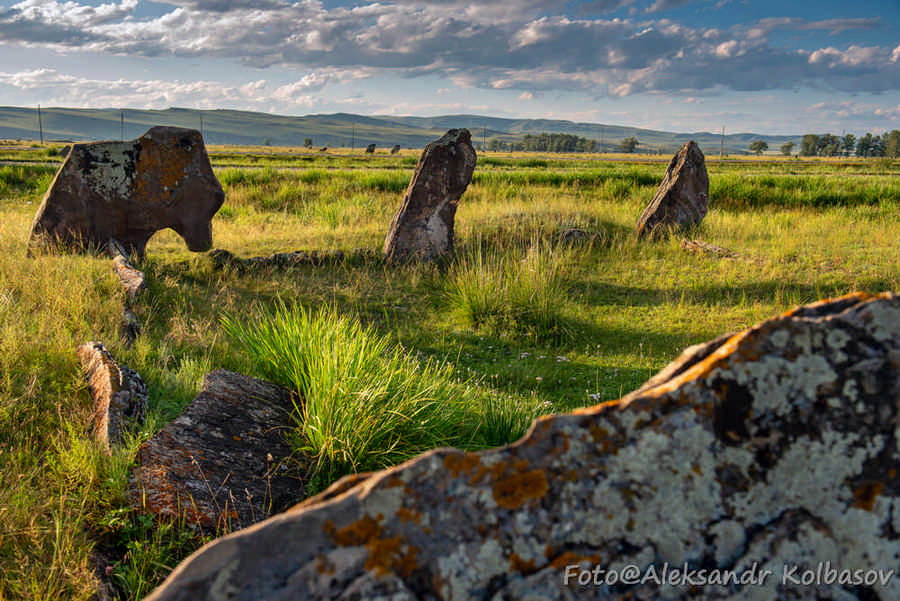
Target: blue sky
<point>678,65</point>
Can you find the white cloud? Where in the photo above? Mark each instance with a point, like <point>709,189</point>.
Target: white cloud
<point>481,44</point>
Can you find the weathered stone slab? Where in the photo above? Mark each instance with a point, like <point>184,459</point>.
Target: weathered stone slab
<point>222,464</point>
<point>772,449</point>
<point>130,190</point>
<point>223,258</point>
<point>423,227</point>
<point>119,393</point>
<point>131,278</point>
<point>682,196</point>
<point>705,248</point>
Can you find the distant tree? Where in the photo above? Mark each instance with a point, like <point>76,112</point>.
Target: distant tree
<point>759,147</point>
<point>307,142</point>
<point>496,145</point>
<point>892,144</point>
<point>629,144</point>
<point>808,145</point>
<point>848,143</point>
<point>878,146</point>
<point>828,145</point>
<point>267,142</point>
<point>864,145</point>
<point>787,148</point>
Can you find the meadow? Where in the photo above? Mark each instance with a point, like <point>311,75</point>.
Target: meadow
<point>525,320</point>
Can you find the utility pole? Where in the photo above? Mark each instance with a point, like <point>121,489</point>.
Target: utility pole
<point>722,144</point>
<point>122,126</point>
<point>601,139</point>
<point>201,125</point>
<point>353,137</point>
<point>483,136</point>
<point>40,125</point>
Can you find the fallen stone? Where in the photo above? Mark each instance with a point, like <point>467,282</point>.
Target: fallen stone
<point>772,451</point>
<point>681,199</point>
<point>128,191</point>
<point>423,227</point>
<point>131,278</point>
<point>130,327</point>
<point>223,463</point>
<point>222,258</point>
<point>705,248</point>
<point>119,393</point>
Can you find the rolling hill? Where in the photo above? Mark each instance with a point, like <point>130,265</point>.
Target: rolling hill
<point>338,130</point>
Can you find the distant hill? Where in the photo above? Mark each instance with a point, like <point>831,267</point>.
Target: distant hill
<point>340,129</point>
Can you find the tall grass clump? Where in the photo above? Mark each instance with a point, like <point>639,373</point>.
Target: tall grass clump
<point>365,403</point>
<point>509,295</point>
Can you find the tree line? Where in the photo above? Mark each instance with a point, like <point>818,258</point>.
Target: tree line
<point>829,145</point>
<point>545,143</point>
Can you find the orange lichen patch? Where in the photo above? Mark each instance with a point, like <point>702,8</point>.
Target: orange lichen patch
<point>866,494</point>
<point>461,463</point>
<point>164,161</point>
<point>392,554</point>
<point>409,515</point>
<point>356,534</point>
<point>514,491</point>
<point>892,473</point>
<point>324,566</point>
<point>517,564</point>
<point>569,558</point>
<point>696,469</point>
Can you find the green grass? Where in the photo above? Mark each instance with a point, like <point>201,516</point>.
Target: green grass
<point>519,323</point>
<point>365,403</point>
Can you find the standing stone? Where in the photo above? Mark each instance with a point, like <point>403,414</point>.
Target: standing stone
<point>130,190</point>
<point>370,149</point>
<point>395,149</point>
<point>222,464</point>
<point>776,448</point>
<point>682,196</point>
<point>119,393</point>
<point>423,227</point>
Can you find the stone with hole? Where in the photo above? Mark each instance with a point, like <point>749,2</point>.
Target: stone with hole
<point>128,191</point>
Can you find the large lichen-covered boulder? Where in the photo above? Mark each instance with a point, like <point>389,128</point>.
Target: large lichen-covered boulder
<point>223,464</point>
<point>762,465</point>
<point>127,191</point>
<point>423,227</point>
<point>682,196</point>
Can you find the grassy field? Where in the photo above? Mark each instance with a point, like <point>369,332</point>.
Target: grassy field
<point>519,324</point>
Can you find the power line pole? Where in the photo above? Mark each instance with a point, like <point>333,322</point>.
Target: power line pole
<point>201,125</point>
<point>122,126</point>
<point>40,125</point>
<point>483,136</point>
<point>601,139</point>
<point>722,144</point>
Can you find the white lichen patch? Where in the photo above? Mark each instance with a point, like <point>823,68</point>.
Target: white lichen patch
<point>383,503</point>
<point>881,320</point>
<point>729,538</point>
<point>774,382</point>
<point>809,475</point>
<point>469,568</point>
<point>659,467</point>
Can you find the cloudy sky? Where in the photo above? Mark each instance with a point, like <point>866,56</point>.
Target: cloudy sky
<point>679,65</point>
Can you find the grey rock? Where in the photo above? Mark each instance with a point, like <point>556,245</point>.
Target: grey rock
<point>682,197</point>
<point>423,227</point>
<point>775,448</point>
<point>224,463</point>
